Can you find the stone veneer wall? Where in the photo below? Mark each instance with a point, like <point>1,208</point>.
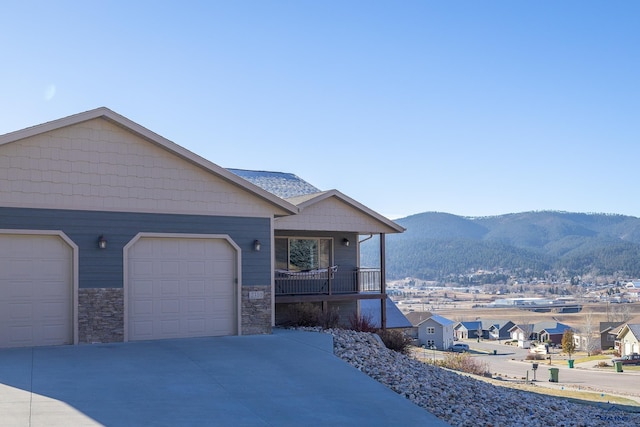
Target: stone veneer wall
<point>256,310</point>
<point>100,315</point>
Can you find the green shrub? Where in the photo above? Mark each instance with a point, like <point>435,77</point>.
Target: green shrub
<point>395,340</point>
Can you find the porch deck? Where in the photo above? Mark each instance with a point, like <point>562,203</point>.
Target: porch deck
<point>328,281</point>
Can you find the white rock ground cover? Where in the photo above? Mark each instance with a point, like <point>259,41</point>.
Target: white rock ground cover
<point>461,400</point>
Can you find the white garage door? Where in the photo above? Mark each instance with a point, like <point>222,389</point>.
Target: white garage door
<point>181,287</point>
<point>36,291</point>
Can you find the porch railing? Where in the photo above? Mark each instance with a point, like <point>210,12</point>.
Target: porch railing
<point>327,281</point>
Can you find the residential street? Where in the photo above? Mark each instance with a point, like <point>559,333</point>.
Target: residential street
<point>509,362</point>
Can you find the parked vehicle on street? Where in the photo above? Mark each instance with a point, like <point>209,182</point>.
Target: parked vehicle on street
<point>629,359</point>
<point>459,347</point>
<point>539,349</point>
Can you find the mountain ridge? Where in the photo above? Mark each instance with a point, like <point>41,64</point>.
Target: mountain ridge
<point>439,245</point>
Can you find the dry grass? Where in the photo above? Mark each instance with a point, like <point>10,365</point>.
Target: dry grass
<point>588,396</point>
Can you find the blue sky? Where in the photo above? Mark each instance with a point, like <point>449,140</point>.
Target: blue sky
<point>468,107</point>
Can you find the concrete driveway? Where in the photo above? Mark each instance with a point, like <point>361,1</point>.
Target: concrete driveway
<point>290,378</point>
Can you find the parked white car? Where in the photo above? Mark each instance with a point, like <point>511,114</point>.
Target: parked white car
<point>539,349</point>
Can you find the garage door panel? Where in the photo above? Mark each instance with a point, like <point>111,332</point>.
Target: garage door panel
<point>169,307</point>
<point>197,288</point>
<point>36,290</point>
<point>20,312</point>
<point>51,311</point>
<point>53,333</point>
<point>54,289</point>
<point>196,306</point>
<point>196,268</point>
<point>170,267</point>
<point>139,267</point>
<point>141,307</point>
<point>16,290</point>
<point>170,328</point>
<point>142,329</point>
<point>143,288</point>
<point>186,278</point>
<point>20,336</point>
<point>196,327</point>
<point>169,288</point>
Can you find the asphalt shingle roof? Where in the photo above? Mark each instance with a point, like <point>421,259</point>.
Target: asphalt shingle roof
<point>395,318</point>
<point>281,184</point>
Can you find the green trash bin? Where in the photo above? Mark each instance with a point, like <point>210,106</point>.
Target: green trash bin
<point>495,352</point>
<point>553,375</point>
<point>618,366</point>
<point>571,362</point>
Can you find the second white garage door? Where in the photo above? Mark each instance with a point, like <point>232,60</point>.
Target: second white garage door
<point>181,287</point>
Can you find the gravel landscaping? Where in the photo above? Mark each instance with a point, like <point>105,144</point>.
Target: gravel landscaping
<point>462,400</point>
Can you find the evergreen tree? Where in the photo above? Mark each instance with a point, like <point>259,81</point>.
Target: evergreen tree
<point>568,344</point>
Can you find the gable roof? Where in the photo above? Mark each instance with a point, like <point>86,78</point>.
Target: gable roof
<point>633,328</point>
<point>157,140</point>
<point>523,327</point>
<point>443,321</point>
<point>306,201</point>
<point>473,325</point>
<point>558,329</point>
<point>607,326</point>
<point>417,317</point>
<point>305,196</point>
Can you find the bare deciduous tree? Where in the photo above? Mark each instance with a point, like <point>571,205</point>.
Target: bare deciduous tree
<point>590,334</point>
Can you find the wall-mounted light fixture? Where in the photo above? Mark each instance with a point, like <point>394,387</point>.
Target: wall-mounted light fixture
<point>256,245</point>
<point>345,242</point>
<point>102,242</point>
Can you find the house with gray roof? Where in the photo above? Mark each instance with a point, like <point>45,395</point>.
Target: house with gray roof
<point>629,339</point>
<point>436,331</point>
<point>110,232</point>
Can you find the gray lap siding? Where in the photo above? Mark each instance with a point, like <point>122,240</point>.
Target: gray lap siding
<point>104,268</point>
<point>100,314</point>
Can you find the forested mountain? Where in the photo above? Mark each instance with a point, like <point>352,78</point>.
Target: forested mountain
<point>437,245</point>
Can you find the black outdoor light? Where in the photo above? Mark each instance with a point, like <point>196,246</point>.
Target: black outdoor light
<point>102,242</point>
<point>256,245</point>
<point>345,241</point>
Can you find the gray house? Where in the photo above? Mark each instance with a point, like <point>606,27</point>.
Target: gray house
<point>436,331</point>
<point>110,232</point>
<point>499,329</point>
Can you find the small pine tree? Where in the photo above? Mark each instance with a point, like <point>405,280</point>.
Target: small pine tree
<point>568,344</point>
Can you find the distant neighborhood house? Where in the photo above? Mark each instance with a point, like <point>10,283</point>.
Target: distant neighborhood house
<point>436,331</point>
<point>629,338</point>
